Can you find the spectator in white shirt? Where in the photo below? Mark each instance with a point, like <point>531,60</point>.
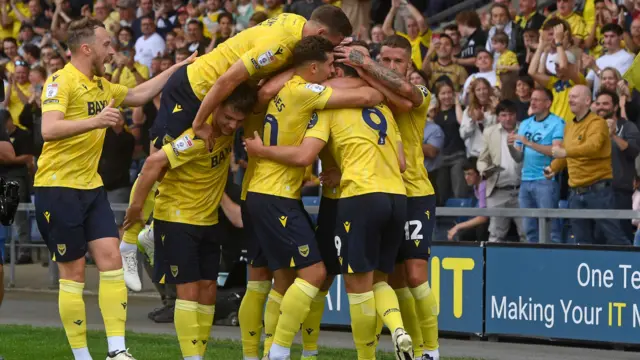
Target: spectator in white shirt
<point>614,56</point>
<point>484,63</point>
<point>479,115</point>
<point>150,44</point>
<point>501,20</point>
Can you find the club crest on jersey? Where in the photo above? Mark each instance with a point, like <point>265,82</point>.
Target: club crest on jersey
<point>62,249</point>
<point>52,90</point>
<point>174,270</point>
<point>424,90</point>
<point>313,121</point>
<point>304,250</point>
<point>315,88</point>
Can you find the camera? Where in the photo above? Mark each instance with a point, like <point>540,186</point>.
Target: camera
<point>9,200</point>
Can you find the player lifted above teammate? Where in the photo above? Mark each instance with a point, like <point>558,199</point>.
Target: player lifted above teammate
<point>195,91</point>
<point>72,210</point>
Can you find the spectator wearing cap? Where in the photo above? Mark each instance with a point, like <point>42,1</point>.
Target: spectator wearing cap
<point>529,17</point>
<point>501,171</point>
<point>524,89</point>
<point>625,147</point>
<point>418,33</point>
<point>470,27</point>
<point>615,56</point>
<point>567,73</point>
<point>150,44</point>
<point>501,21</point>
<point>195,31</point>
<point>18,92</point>
<point>474,229</point>
<point>21,171</point>
<point>443,64</point>
<point>576,22</point>
<point>484,63</point>
<point>586,153</point>
<point>531,147</point>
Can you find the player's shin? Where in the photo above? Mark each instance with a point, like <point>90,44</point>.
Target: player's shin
<point>387,306</point>
<point>187,328</point>
<point>311,325</point>
<point>271,317</point>
<point>74,318</point>
<point>427,311</point>
<point>250,317</point>
<point>362,308</point>
<point>112,298</point>
<point>410,319</point>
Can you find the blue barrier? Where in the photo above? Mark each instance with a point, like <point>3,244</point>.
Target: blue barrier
<point>563,292</point>
<point>456,276</point>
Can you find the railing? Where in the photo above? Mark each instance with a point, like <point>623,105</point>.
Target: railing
<point>543,226</point>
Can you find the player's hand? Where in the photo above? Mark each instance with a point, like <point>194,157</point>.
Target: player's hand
<point>205,132</point>
<point>330,177</point>
<point>349,56</point>
<point>109,116</point>
<point>253,145</point>
<point>132,216</point>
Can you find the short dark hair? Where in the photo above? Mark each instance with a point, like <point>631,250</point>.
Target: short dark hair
<point>469,18</point>
<point>445,36</point>
<point>225,15</point>
<point>615,28</point>
<point>258,17</point>
<point>397,41</point>
<point>483,50</point>
<point>32,50</point>
<point>41,70</point>
<point>311,48</point>
<point>506,105</point>
<point>532,31</point>
<point>501,6</point>
<point>199,23</point>
<point>547,92</point>
<point>11,40</point>
<point>333,18</point>
<point>80,31</point>
<point>451,27</point>
<point>614,97</point>
<point>501,37</point>
<point>243,98</point>
<point>183,51</point>
<point>471,164</point>
<point>553,21</point>
<point>527,80</point>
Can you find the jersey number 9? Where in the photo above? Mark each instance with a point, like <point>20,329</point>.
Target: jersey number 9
<point>380,126</point>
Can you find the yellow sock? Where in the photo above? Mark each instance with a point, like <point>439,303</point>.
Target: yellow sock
<point>295,307</point>
<point>185,320</point>
<point>72,313</point>
<point>130,235</point>
<point>387,306</point>
<point>112,298</point>
<point>271,317</point>
<point>362,308</point>
<point>311,325</point>
<point>205,321</point>
<point>379,325</point>
<point>410,319</point>
<point>250,316</point>
<point>427,310</point>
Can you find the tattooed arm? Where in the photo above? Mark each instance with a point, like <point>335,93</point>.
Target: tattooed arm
<point>394,81</point>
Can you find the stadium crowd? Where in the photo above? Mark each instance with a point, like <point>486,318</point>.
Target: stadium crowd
<point>522,62</point>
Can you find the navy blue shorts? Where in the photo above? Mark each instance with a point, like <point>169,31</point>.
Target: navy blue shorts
<point>185,253</point>
<point>418,231</point>
<point>69,219</point>
<point>284,231</point>
<point>369,232</point>
<point>178,107</point>
<point>255,255</point>
<point>324,234</point>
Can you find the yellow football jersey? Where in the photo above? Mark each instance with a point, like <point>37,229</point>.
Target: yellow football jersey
<point>263,49</point>
<point>128,79</point>
<point>364,144</point>
<point>192,188</point>
<point>507,58</point>
<point>576,22</point>
<point>411,125</point>
<point>73,162</point>
<point>252,123</point>
<point>419,46</point>
<point>560,90</point>
<point>288,116</point>
<point>328,162</point>
<point>15,104</point>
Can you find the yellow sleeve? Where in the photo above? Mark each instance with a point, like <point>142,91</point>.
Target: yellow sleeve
<point>118,92</point>
<point>320,126</point>
<point>426,96</point>
<point>589,13</point>
<point>311,96</point>
<point>266,57</point>
<point>143,71</point>
<point>56,93</point>
<point>580,28</point>
<point>184,149</point>
<point>552,81</point>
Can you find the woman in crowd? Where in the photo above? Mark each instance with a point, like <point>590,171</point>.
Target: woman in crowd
<point>479,115</point>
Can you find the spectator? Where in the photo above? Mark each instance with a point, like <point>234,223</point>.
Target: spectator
<point>632,37</point>
<point>529,17</point>
<point>10,47</point>
<point>474,229</point>
<point>170,44</point>
<point>18,92</point>
<point>165,63</point>
<point>40,22</point>
<point>576,22</point>
<point>567,74</point>
<point>625,147</point>
<point>443,65</point>
<point>501,21</point>
<point>129,72</point>
<point>303,7</point>
<point>37,77</point>
<point>587,156</point>
<point>532,147</point>
<point>470,27</point>
<point>125,38</point>
<point>117,153</point>
<point>614,57</point>
<point>242,14</point>
<point>27,36</point>
<point>453,33</point>
<point>150,44</point>
<point>484,63</point>
<point>127,11</point>
<point>375,43</point>
<point>195,29</point>
<point>418,34</point>
<point>257,18</point>
<point>56,63</point>
<point>20,170</point>
<point>505,60</point>
<point>418,77</point>
<point>226,29</point>
<point>164,16</point>
<point>479,115</point>
<point>31,54</point>
<point>501,171</point>
<point>524,89</point>
<point>46,53</point>
<point>530,39</point>
<point>448,116</point>
<point>103,13</point>
<point>432,145</point>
